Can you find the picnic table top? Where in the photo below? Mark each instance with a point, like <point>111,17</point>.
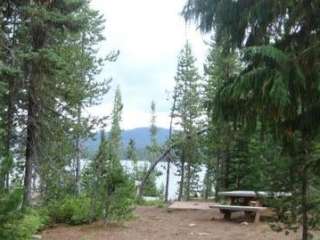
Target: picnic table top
<point>234,207</point>
<point>253,194</point>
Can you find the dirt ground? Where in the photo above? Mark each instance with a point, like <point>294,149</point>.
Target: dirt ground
<point>153,223</point>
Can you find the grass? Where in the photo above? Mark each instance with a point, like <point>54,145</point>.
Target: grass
<point>152,203</point>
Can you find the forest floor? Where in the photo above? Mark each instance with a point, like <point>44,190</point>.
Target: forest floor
<point>152,223</point>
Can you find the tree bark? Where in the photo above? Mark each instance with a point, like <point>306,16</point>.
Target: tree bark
<point>166,196</point>
<point>226,169</point>
<point>305,227</point>
<point>78,153</point>
<point>181,178</point>
<point>151,168</point>
<point>305,186</point>
<point>170,135</point>
<point>154,164</point>
<point>217,175</point>
<point>9,128</point>
<point>35,74</point>
<point>30,144</point>
<point>188,183</point>
<point>208,181</point>
<point>11,101</point>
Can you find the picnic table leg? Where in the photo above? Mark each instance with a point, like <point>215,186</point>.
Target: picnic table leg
<point>248,215</point>
<point>227,215</point>
<point>257,217</point>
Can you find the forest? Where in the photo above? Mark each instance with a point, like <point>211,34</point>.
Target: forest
<point>250,117</point>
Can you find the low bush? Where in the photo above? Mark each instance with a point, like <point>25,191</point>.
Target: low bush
<point>16,224</point>
<point>121,204</point>
<point>70,210</point>
<point>22,226</point>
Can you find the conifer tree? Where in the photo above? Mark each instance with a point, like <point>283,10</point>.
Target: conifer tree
<point>169,159</point>
<point>132,155</point>
<point>110,187</point>
<point>220,67</point>
<point>47,64</point>
<point>187,113</point>
<point>153,150</point>
<point>9,73</point>
<point>279,42</point>
<point>115,133</point>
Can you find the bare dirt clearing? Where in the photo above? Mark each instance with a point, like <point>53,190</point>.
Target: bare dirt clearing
<point>155,224</point>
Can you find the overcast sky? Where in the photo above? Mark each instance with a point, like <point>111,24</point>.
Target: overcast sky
<point>149,35</point>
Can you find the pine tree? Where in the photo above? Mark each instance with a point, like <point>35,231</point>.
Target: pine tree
<point>9,72</point>
<point>108,185</point>
<point>187,113</point>
<point>220,67</point>
<point>169,159</point>
<point>153,150</point>
<point>115,133</point>
<point>132,155</point>
<point>278,84</point>
<point>47,64</point>
<point>68,86</point>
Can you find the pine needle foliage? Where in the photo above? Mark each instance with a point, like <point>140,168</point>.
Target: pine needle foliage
<point>279,85</point>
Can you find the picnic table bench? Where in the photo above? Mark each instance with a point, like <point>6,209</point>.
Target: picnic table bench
<point>242,201</point>
<point>228,209</point>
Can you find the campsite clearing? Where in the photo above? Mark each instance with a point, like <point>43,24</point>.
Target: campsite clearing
<point>153,223</point>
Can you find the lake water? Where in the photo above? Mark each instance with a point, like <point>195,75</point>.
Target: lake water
<point>161,180</point>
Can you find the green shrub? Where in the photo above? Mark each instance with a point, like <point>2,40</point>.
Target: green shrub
<point>22,226</point>
<point>121,204</point>
<point>70,210</point>
<point>16,224</point>
<point>152,203</point>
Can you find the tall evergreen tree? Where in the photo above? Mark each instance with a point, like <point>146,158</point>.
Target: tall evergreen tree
<point>132,155</point>
<point>115,133</point>
<point>153,149</point>
<point>220,67</point>
<point>9,73</point>
<point>187,113</point>
<point>109,186</point>
<point>48,63</point>
<point>169,159</point>
<point>279,42</point>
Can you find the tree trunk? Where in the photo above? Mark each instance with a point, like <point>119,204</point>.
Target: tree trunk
<point>188,183</point>
<point>34,75</point>
<point>9,129</point>
<point>78,154</point>
<point>181,178</point>
<point>166,196</point>
<point>207,183</point>
<point>10,103</point>
<point>305,185</point>
<point>154,164</point>
<point>226,169</point>
<point>170,135</point>
<point>305,205</point>
<point>30,145</point>
<point>151,168</point>
<point>218,175</point>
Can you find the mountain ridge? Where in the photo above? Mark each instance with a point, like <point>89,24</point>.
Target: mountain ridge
<point>140,135</point>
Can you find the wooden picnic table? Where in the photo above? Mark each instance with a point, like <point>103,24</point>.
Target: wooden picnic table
<point>243,198</point>
<point>246,201</point>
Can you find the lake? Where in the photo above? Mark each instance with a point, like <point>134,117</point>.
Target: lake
<point>161,180</point>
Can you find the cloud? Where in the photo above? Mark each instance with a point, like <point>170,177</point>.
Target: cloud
<point>149,35</point>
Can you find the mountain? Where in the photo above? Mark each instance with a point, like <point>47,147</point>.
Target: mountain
<point>141,136</point>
